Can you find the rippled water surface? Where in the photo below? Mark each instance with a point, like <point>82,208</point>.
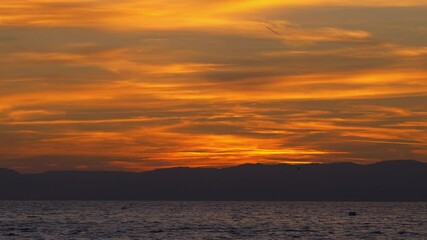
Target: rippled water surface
<point>212,220</point>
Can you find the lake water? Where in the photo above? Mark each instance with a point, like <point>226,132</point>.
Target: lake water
<point>212,220</point>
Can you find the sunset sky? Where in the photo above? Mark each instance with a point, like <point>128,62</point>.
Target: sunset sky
<point>143,84</point>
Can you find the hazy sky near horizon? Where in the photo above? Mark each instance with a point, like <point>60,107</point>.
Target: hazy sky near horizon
<point>143,84</point>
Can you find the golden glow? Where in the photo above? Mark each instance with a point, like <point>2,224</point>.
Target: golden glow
<point>153,14</point>
<point>139,85</point>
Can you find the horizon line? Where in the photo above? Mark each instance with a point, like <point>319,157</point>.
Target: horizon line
<point>216,168</point>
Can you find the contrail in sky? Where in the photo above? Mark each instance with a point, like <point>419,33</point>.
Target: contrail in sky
<point>278,34</point>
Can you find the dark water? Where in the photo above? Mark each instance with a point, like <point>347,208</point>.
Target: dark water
<point>212,220</point>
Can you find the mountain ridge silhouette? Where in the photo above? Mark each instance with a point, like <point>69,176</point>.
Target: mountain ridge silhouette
<point>402,180</point>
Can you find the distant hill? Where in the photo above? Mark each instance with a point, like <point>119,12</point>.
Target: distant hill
<point>384,181</point>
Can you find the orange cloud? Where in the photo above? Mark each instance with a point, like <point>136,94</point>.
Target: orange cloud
<point>134,14</point>
<point>291,33</point>
<point>146,84</point>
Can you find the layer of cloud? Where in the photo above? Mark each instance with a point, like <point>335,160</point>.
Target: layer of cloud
<point>209,84</point>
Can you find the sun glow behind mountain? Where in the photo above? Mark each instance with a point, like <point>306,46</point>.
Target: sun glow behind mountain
<point>136,85</point>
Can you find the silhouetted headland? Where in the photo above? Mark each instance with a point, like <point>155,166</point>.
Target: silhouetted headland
<point>384,181</point>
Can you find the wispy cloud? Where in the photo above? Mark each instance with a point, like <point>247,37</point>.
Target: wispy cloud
<point>159,83</point>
